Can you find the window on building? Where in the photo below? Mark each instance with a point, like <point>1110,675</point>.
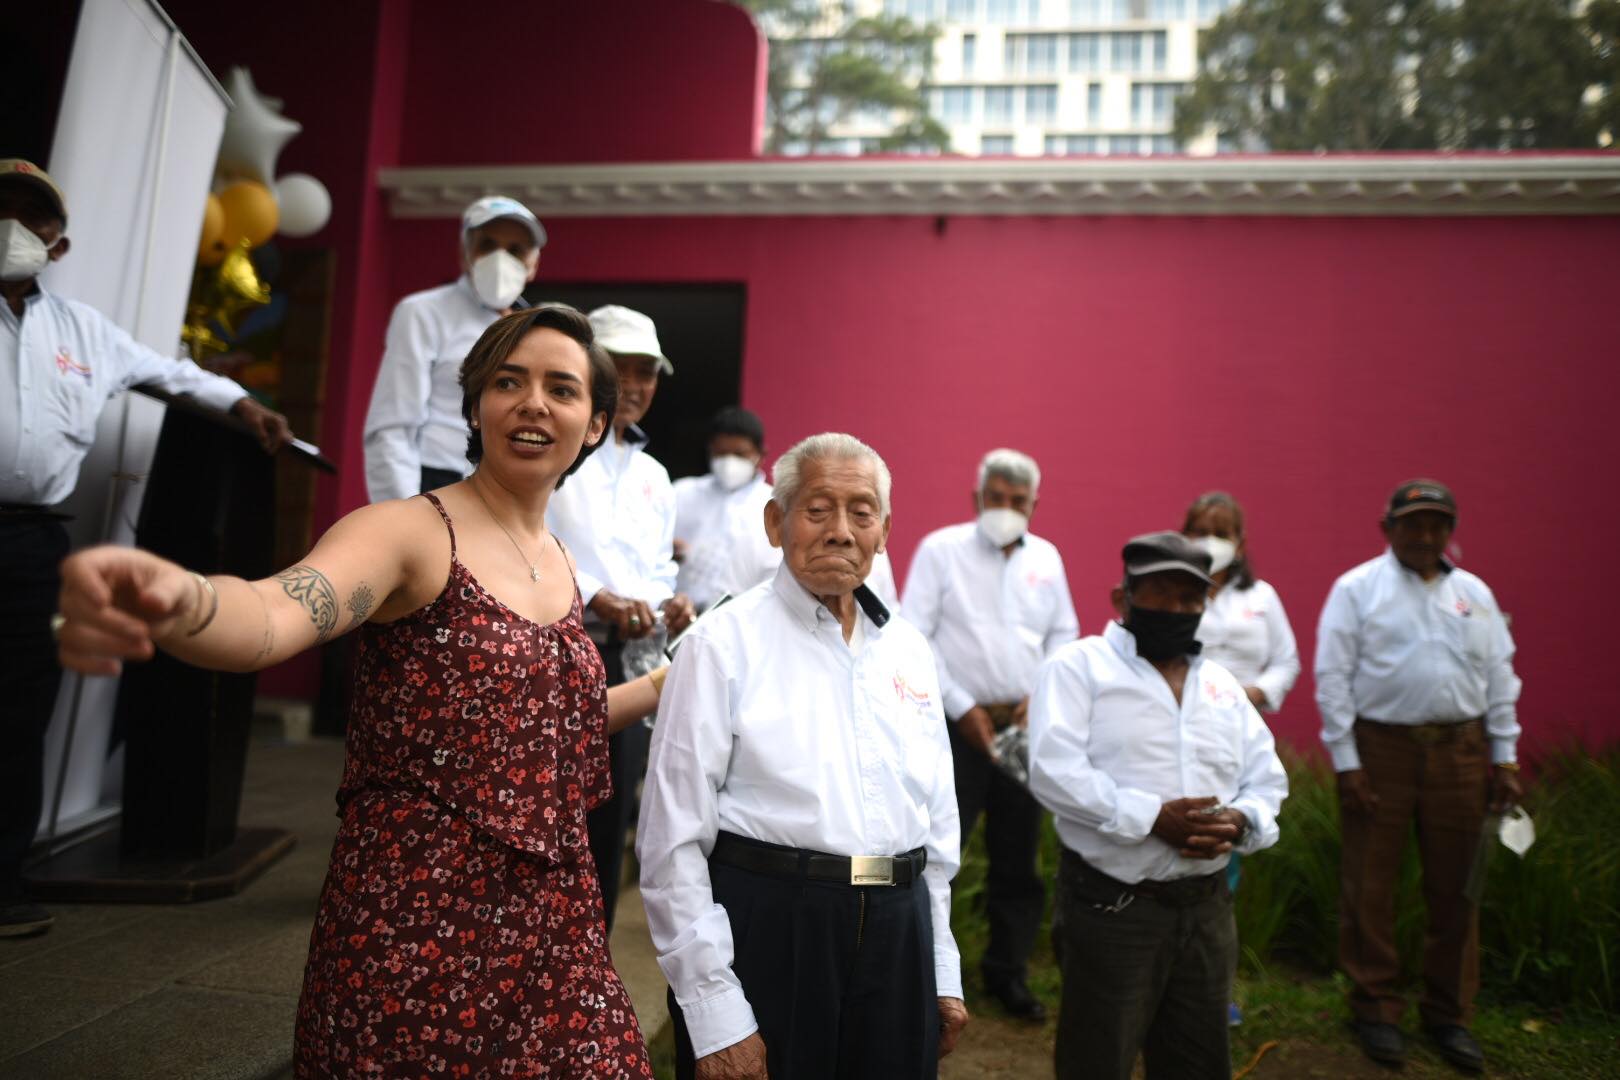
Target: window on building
<point>956,104</point>
<point>1085,52</point>
<point>996,144</point>
<point>1153,105</point>
<point>1125,52</point>
<point>970,53</point>
<point>1042,51</point>
<point>1159,47</point>
<point>1040,104</point>
<point>1012,12</point>
<point>962,10</point>
<point>1166,10</point>
<point>1104,12</point>
<point>1164,144</point>
<point>1094,104</point>
<point>998,104</point>
<point>1210,10</point>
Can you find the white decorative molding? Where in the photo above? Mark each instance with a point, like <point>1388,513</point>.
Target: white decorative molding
<point>1407,184</point>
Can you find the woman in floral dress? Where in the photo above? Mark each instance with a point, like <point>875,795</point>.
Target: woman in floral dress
<point>460,930</point>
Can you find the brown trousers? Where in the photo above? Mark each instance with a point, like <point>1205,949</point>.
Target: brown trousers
<point>1438,776</point>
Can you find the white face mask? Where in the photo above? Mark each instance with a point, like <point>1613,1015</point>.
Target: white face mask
<point>22,253</point>
<point>498,278</point>
<point>1002,526</point>
<point>1517,831</point>
<point>1221,552</point>
<point>732,472</point>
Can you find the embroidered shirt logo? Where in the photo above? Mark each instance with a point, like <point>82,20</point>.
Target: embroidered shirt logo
<point>1218,695</point>
<point>66,365</point>
<point>1464,608</point>
<point>906,692</point>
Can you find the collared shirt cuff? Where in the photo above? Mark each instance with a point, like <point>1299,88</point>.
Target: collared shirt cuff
<point>957,702</point>
<point>1344,754</point>
<point>1254,837</point>
<point>948,980</point>
<point>719,1021</point>
<point>1134,814</point>
<point>1504,751</point>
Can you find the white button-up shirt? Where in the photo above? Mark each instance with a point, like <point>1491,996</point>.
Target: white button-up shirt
<point>1109,745</point>
<point>1247,633</point>
<point>59,365</point>
<point>724,533</point>
<point>772,727</point>
<point>991,617</point>
<point>1397,649</point>
<point>415,416</point>
<point>617,516</point>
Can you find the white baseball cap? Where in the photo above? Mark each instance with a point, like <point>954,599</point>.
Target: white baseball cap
<point>628,333</point>
<point>493,207</point>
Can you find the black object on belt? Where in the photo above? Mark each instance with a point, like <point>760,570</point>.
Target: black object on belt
<point>1180,892</point>
<point>29,512</point>
<point>775,860</point>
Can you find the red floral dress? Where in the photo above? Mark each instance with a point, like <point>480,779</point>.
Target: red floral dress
<point>460,929</point>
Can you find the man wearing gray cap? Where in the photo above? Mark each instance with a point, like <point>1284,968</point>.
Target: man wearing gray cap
<point>1415,684</point>
<point>1156,767</point>
<point>617,516</point>
<point>415,436</point>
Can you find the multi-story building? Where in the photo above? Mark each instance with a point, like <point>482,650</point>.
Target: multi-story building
<point>1032,77</point>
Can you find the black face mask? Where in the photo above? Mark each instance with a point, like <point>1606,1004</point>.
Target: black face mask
<point>1161,635</point>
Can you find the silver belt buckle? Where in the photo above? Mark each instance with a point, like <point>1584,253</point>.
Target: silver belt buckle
<point>871,870</point>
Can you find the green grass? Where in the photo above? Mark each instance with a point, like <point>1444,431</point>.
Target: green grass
<point>1550,928</point>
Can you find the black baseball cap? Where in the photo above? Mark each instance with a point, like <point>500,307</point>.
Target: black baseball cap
<point>1421,494</point>
<point>1158,552</point>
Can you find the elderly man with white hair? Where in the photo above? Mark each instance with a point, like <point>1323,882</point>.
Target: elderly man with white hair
<point>798,827</point>
<point>993,601</point>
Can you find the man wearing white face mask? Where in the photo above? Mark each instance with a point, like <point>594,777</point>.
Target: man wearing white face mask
<point>415,437</point>
<point>994,602</point>
<point>719,518</point>
<point>61,362</point>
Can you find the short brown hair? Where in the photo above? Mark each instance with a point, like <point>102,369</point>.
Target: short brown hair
<point>495,344</point>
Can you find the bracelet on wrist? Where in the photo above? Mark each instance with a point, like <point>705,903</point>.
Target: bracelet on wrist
<point>657,678</point>
<point>213,609</point>
<point>1510,766</point>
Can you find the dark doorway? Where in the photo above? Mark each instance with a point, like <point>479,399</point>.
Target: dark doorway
<point>701,330</point>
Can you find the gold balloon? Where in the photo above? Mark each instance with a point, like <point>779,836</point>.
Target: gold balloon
<point>251,213</point>
<point>217,298</point>
<point>211,245</point>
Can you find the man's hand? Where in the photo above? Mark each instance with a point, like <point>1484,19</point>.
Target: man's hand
<point>739,1061</point>
<point>1020,714</point>
<point>678,613</point>
<point>1257,696</point>
<point>678,550</point>
<point>976,727</point>
<point>631,618</point>
<point>1193,834</point>
<point>115,602</point>
<point>953,1017</point>
<point>269,426</point>
<point>1505,789</point>
<point>1356,794</point>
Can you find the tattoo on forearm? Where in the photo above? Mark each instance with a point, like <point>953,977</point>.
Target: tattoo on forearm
<point>268,645</point>
<point>361,602</point>
<point>314,594</point>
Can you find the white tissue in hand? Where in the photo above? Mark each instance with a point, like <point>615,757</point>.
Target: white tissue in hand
<point>1517,832</point>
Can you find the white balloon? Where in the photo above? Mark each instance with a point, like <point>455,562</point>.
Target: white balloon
<point>306,206</point>
<point>255,131</point>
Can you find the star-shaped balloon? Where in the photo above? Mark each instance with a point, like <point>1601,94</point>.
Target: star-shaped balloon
<point>255,132</point>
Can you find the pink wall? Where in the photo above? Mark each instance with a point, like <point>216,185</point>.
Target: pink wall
<point>1307,365</point>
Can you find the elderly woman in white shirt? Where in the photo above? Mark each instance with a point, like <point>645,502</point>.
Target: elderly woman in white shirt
<point>1244,628</point>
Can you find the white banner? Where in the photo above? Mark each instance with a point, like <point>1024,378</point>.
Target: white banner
<point>136,138</point>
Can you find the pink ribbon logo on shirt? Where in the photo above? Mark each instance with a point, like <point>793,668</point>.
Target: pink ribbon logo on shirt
<point>65,364</point>
<point>1463,609</point>
<point>904,691</point>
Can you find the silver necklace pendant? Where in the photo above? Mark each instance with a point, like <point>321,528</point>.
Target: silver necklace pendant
<point>534,573</point>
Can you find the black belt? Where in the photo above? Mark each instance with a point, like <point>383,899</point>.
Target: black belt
<point>1180,892</point>
<point>29,512</point>
<point>774,860</point>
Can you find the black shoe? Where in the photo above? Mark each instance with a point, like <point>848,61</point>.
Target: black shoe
<point>23,919</point>
<point>1457,1046</point>
<point>1015,998</point>
<point>1381,1042</point>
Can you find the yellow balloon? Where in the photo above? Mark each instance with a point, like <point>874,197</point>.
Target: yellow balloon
<point>251,214</point>
<point>211,245</point>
